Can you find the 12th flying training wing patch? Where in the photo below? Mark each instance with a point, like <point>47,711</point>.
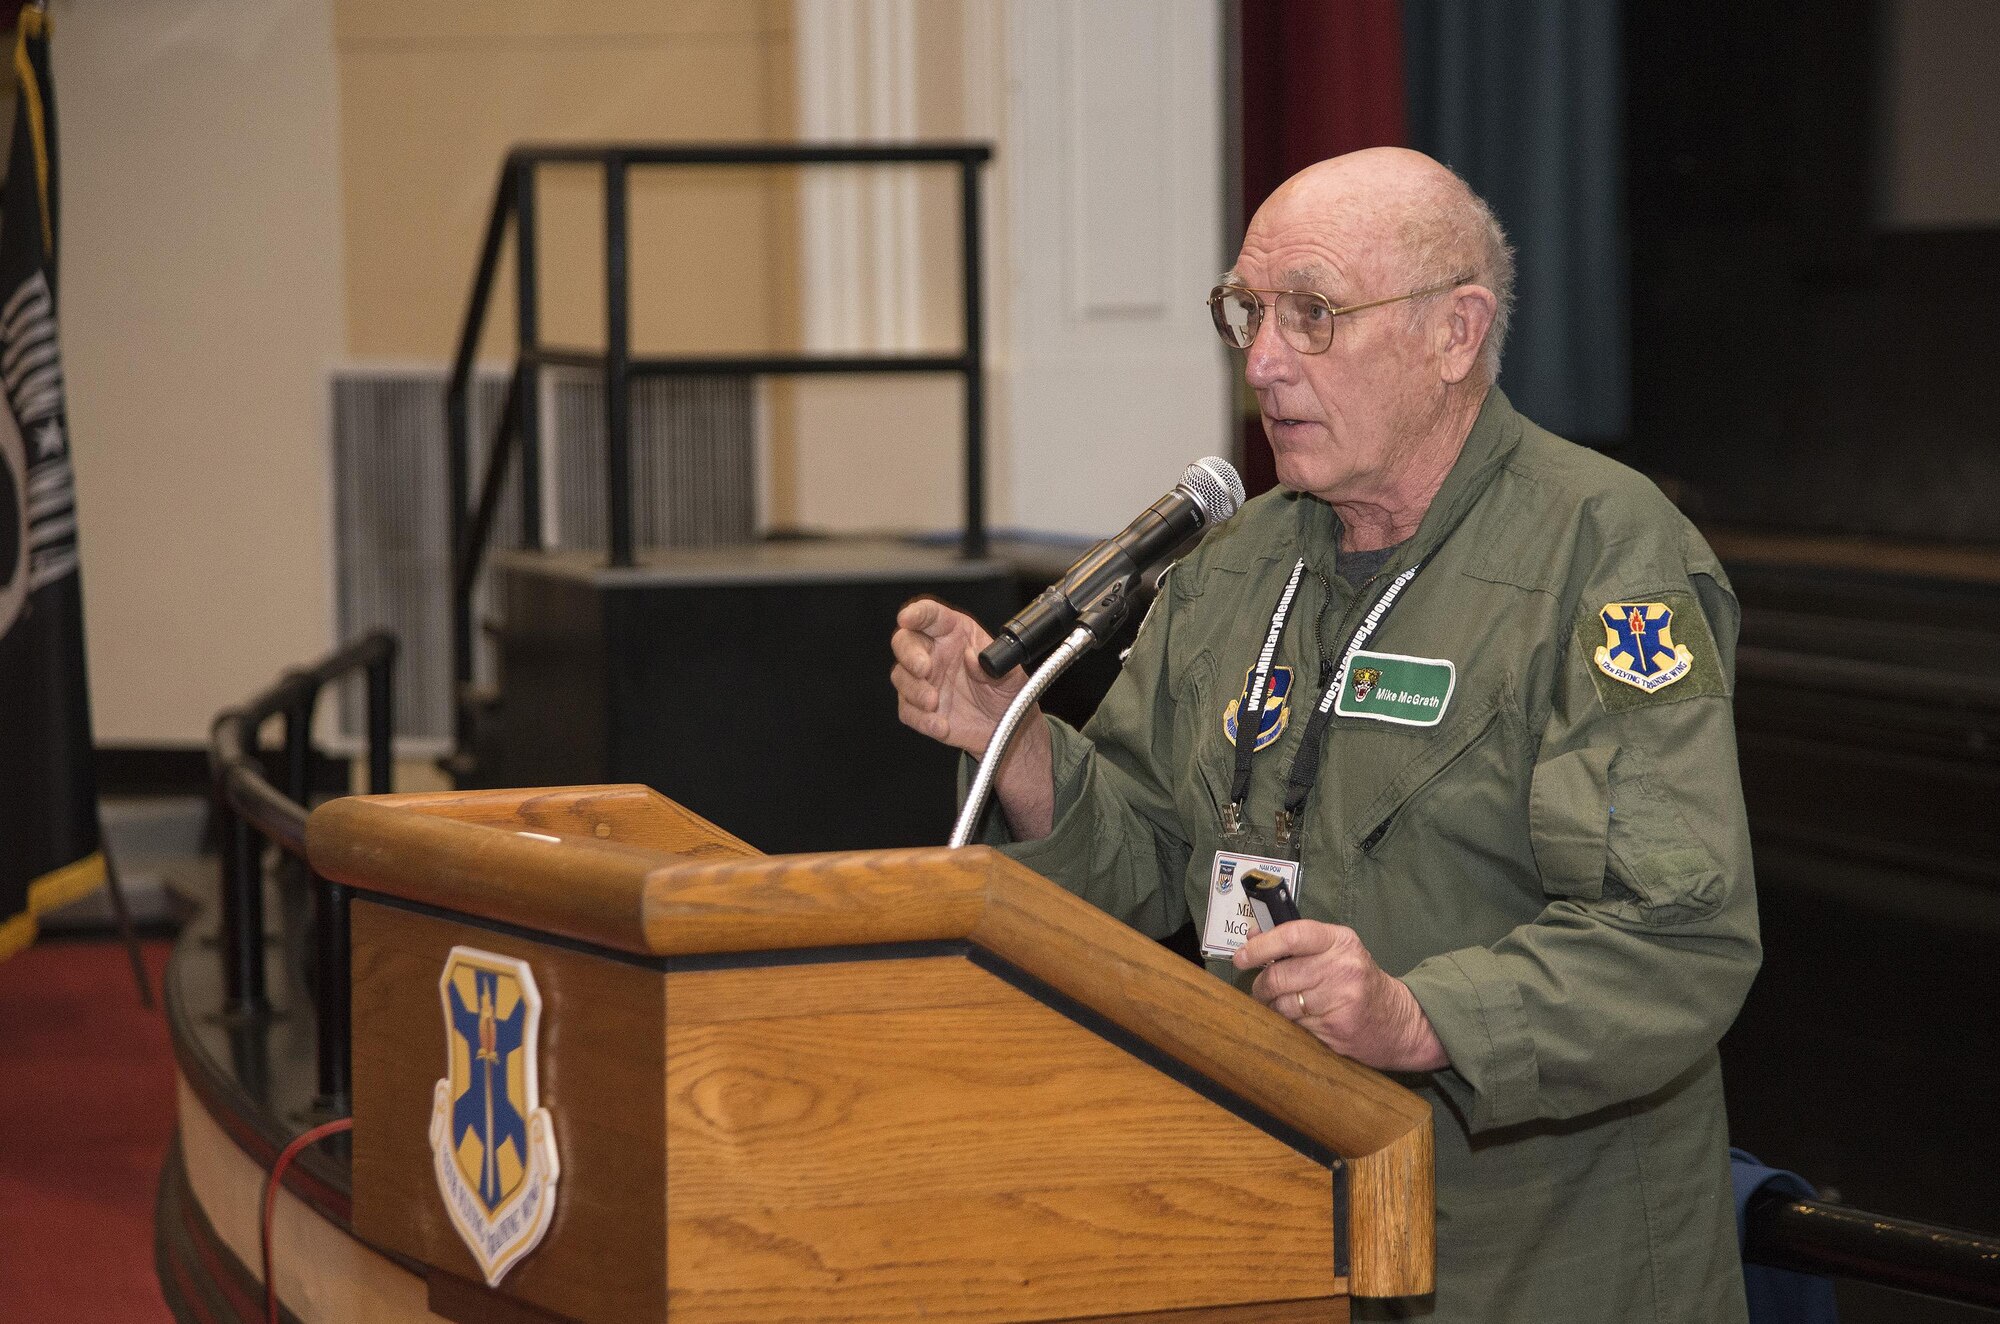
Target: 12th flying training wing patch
<point>1656,647</point>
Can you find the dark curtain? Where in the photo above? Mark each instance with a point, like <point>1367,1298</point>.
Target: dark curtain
<point>1524,99</point>
<point>1317,79</point>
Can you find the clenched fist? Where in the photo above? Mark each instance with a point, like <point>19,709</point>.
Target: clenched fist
<point>1321,976</point>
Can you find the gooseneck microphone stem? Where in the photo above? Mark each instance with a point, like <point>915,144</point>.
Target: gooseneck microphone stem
<point>1080,641</point>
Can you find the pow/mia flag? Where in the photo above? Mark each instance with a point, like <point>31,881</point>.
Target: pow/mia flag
<point>49,846</point>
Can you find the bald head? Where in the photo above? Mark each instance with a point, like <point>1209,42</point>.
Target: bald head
<point>1359,183</point>
<point>1411,217</point>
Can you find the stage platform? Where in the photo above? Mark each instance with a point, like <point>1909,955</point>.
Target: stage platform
<point>244,1090</point>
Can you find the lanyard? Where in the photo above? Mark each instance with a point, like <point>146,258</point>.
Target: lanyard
<point>1305,764</point>
<point>1257,693</point>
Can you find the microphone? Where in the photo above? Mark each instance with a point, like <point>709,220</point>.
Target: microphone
<point>1097,590</point>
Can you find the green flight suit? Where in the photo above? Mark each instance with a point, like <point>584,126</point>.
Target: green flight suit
<point>1559,868</point>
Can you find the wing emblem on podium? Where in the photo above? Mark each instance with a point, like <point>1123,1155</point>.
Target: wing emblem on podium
<point>492,1142</point>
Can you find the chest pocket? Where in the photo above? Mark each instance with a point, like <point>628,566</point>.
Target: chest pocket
<point>1428,783</point>
<point>1190,687</point>
<point>1203,688</point>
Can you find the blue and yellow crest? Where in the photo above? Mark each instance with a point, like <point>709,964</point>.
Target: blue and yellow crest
<point>1639,647</point>
<point>1277,707</point>
<point>492,1142</point>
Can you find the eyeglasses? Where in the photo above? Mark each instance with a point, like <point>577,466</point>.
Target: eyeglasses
<point>1305,317</point>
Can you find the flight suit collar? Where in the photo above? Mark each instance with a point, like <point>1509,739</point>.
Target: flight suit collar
<point>1495,435</point>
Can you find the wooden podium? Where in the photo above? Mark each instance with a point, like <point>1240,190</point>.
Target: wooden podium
<point>891,1085</point>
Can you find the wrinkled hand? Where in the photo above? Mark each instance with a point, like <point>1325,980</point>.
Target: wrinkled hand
<point>1322,977</point>
<point>942,692</point>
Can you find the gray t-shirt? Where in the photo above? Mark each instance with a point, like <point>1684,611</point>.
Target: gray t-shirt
<point>1357,568</point>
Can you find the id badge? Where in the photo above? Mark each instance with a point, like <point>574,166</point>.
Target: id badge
<point>1231,921</point>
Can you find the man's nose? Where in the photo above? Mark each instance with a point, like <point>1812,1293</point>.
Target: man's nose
<point>1269,360</point>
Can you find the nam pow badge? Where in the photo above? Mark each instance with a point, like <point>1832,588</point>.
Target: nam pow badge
<point>492,1142</point>
<point>1639,647</point>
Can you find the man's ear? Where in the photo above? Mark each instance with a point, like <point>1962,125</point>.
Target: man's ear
<point>1468,317</point>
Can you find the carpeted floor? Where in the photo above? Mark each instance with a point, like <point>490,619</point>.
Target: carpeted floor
<point>86,1113</point>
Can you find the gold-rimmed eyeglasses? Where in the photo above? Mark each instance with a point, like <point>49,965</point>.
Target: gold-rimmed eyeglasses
<point>1305,317</point>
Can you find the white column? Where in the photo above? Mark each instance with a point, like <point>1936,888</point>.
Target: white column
<point>1103,234</point>
<point>857,83</point>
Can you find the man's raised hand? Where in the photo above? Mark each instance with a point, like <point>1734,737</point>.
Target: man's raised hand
<point>941,692</point>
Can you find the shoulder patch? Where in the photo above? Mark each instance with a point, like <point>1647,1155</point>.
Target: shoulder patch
<point>1653,648</point>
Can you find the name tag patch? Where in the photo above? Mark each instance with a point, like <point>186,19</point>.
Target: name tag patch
<point>1392,687</point>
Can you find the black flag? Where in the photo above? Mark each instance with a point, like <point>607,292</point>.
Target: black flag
<point>50,852</point>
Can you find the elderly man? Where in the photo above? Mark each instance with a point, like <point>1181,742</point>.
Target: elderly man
<point>1468,686</point>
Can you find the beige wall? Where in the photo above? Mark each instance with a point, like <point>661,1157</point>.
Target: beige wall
<point>1102,232</point>
<point>201,307</point>
<point>433,94</point>
<point>885,453</point>
<point>261,191</point>
<point>258,191</point>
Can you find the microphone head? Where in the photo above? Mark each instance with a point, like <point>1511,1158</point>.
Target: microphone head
<point>1215,487</point>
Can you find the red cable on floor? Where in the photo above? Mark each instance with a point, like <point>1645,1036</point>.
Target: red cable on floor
<point>291,1151</point>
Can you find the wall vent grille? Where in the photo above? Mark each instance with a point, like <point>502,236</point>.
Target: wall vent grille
<point>693,470</point>
<point>694,485</point>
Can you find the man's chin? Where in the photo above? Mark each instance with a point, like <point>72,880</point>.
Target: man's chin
<point>1298,478</point>
<point>1292,470</point>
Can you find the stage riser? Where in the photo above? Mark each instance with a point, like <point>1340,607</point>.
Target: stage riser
<point>762,706</point>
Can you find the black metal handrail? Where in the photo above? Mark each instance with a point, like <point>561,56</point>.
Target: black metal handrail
<point>253,811</point>
<point>1812,1236</point>
<point>520,425</point>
